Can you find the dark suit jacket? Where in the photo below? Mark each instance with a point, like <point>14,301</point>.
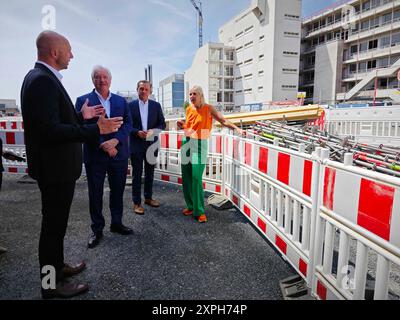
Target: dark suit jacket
<point>53,130</point>
<point>1,156</point>
<point>118,108</point>
<point>155,121</point>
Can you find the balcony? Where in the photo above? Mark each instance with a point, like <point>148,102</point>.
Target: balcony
<point>322,29</point>
<point>373,54</point>
<point>365,13</point>
<point>371,31</point>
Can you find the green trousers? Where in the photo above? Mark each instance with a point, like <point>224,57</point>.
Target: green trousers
<point>193,163</point>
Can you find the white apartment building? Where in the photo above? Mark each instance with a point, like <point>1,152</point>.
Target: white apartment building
<point>212,69</point>
<point>351,51</point>
<point>266,38</point>
<point>257,59</point>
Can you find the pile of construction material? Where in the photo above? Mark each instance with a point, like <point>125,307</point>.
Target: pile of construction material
<point>306,138</point>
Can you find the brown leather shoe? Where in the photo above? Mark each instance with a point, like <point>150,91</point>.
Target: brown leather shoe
<point>71,270</point>
<point>65,290</point>
<point>152,203</point>
<point>138,209</point>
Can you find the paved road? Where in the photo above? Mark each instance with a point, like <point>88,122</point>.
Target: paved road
<point>169,256</point>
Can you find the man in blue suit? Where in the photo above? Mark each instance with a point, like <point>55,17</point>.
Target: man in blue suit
<point>147,122</point>
<point>109,157</point>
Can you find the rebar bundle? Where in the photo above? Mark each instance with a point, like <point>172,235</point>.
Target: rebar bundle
<point>306,138</point>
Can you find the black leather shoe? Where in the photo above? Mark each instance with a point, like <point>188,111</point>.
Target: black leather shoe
<point>121,229</point>
<point>65,290</point>
<point>94,239</point>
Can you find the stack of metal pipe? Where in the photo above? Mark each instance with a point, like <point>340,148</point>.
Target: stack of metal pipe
<point>306,138</point>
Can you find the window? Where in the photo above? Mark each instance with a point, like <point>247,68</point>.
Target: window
<point>371,64</point>
<point>249,29</point>
<point>292,16</point>
<point>353,49</point>
<point>363,46</point>
<point>248,61</point>
<point>353,68</point>
<point>262,38</point>
<point>366,5</point>
<point>387,18</point>
<point>384,42</point>
<point>247,91</point>
<point>373,44</point>
<point>289,70</point>
<point>290,53</point>
<point>362,66</point>
<point>364,25</point>
<point>260,89</point>
<point>289,87</point>
<point>395,39</point>
<point>396,15</point>
<point>239,78</point>
<point>239,64</point>
<point>261,57</point>
<point>239,91</point>
<point>261,73</point>
<point>248,44</point>
<point>383,62</point>
<point>374,22</point>
<point>248,76</point>
<point>239,34</point>
<point>291,34</point>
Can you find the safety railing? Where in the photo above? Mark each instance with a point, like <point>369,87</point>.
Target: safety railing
<point>12,135</point>
<point>337,225</point>
<point>357,241</point>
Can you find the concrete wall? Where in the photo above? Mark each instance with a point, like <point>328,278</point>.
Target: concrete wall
<point>328,71</point>
<point>260,30</point>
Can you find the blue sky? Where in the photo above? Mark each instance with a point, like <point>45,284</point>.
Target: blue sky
<point>123,35</point>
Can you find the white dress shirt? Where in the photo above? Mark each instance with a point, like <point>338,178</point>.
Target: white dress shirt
<point>105,102</point>
<point>144,113</point>
<point>55,71</point>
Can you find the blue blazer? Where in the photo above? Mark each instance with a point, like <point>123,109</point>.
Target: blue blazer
<point>155,121</point>
<point>118,108</point>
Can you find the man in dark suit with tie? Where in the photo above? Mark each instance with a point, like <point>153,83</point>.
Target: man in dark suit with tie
<point>109,156</point>
<point>147,122</point>
<point>53,136</point>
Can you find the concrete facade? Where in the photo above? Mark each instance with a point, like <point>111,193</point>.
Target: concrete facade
<point>265,39</point>
<point>213,70</point>
<point>364,35</point>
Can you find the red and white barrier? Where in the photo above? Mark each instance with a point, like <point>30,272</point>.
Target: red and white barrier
<point>372,205</point>
<point>288,168</point>
<point>15,137</point>
<point>298,202</point>
<point>11,124</point>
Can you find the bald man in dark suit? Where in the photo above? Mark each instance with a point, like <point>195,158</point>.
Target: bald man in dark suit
<point>54,133</point>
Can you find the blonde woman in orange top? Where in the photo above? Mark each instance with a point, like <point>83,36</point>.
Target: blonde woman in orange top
<point>197,127</point>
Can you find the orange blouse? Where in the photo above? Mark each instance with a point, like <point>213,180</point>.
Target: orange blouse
<point>198,123</point>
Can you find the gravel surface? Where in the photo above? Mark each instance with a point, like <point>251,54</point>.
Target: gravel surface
<point>169,256</point>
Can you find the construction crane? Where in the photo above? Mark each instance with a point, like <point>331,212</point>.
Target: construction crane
<point>200,20</point>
